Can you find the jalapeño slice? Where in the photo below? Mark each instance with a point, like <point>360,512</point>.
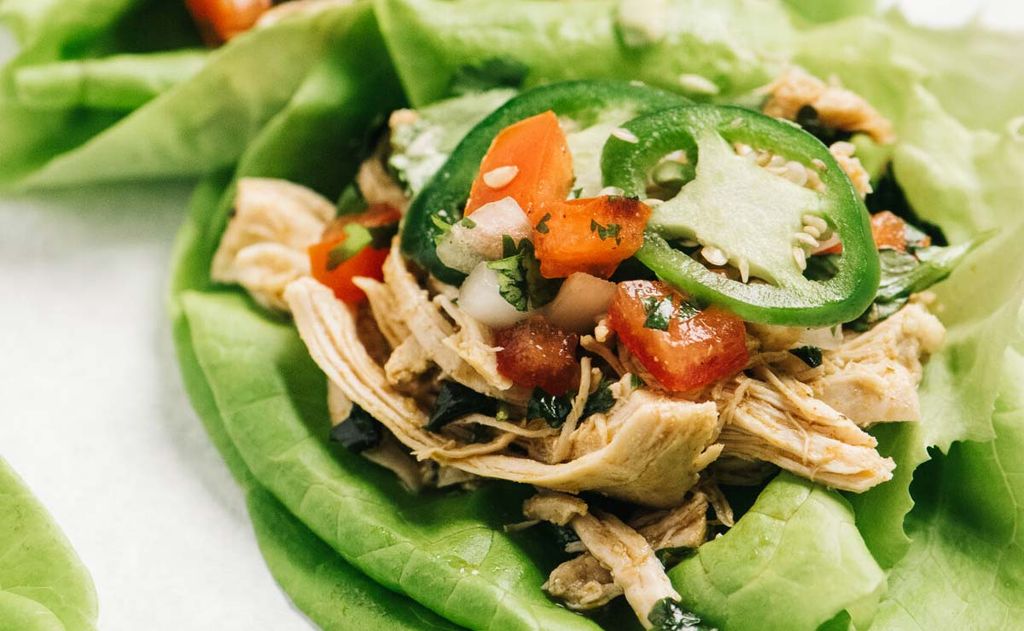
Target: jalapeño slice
<point>748,215</point>
<point>593,107</point>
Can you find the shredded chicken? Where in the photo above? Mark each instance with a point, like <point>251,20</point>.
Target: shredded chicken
<point>657,447</point>
<point>460,353</point>
<point>264,246</point>
<point>582,583</point>
<point>377,185</point>
<point>685,526</point>
<point>623,551</point>
<point>836,106</point>
<point>873,377</point>
<point>778,420</point>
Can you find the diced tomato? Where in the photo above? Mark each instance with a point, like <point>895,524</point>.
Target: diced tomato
<point>889,231</point>
<point>220,20</point>
<point>537,354</point>
<point>692,352</point>
<point>367,262</point>
<point>538,152</point>
<point>590,235</point>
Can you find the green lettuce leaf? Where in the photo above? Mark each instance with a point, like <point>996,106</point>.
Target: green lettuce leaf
<point>43,584</point>
<point>965,566</point>
<point>120,82</point>
<point>734,44</point>
<point>795,560</point>
<point>195,127</point>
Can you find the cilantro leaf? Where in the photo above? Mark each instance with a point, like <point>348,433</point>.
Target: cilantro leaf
<point>659,312</point>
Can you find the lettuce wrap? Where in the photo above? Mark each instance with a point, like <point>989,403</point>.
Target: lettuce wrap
<point>43,584</point>
<point>915,552</point>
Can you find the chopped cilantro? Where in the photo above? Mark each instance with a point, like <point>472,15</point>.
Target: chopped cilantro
<point>552,408</point>
<point>659,312</point>
<point>600,400</point>
<point>455,401</point>
<point>467,223</point>
<point>542,226</point>
<point>635,381</point>
<point>810,355</point>
<point>520,282</point>
<point>611,231</point>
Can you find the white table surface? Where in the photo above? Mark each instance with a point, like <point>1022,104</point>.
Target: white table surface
<point>93,415</point>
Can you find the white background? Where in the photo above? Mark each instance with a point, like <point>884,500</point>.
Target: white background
<point>94,418</point>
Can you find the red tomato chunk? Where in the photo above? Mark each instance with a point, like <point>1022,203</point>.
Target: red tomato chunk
<point>691,352</point>
<point>537,354</point>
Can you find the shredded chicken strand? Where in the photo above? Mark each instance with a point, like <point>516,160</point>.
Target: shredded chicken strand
<point>264,245</point>
<point>836,106</point>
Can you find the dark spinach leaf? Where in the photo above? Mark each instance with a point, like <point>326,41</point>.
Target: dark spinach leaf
<point>810,355</point>
<point>887,194</point>
<point>550,407</point>
<point>358,432</point>
<point>455,401</point>
<point>600,400</point>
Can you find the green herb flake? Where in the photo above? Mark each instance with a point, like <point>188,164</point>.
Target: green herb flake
<point>810,355</point>
<point>356,238</point>
<point>552,408</point>
<point>455,401</point>
<point>542,226</point>
<point>600,400</point>
<point>467,223</point>
<point>636,381</point>
<point>659,312</point>
<point>611,231</point>
<point>520,282</point>
<point>668,615</point>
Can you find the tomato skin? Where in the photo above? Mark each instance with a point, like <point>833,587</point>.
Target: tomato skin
<point>536,354</point>
<point>537,147</point>
<point>692,353</point>
<point>368,262</point>
<point>220,20</point>
<point>571,240</point>
<point>889,231</point>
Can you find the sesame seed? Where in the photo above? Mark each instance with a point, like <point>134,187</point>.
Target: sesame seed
<point>625,135</point>
<point>800,257</point>
<point>653,202</point>
<point>713,255</point>
<point>816,221</point>
<point>611,191</point>
<point>500,177</point>
<point>805,239</point>
<point>637,84</point>
<point>688,243</point>
<point>697,83</point>
<point>819,164</point>
<point>744,266</point>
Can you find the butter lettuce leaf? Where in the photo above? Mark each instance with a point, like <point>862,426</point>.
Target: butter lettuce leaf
<point>736,45</point>
<point>43,584</point>
<point>795,560</point>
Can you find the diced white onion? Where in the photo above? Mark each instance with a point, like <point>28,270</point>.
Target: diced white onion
<point>580,301</point>
<point>480,299</point>
<point>464,247</point>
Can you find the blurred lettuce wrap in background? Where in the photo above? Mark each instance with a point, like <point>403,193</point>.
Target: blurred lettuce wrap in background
<point>68,121</point>
<point>43,584</point>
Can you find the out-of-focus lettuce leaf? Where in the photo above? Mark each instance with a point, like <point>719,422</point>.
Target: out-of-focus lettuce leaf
<point>43,584</point>
<point>816,11</point>
<point>200,125</point>
<point>737,45</point>
<point>795,560</point>
<point>120,82</point>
